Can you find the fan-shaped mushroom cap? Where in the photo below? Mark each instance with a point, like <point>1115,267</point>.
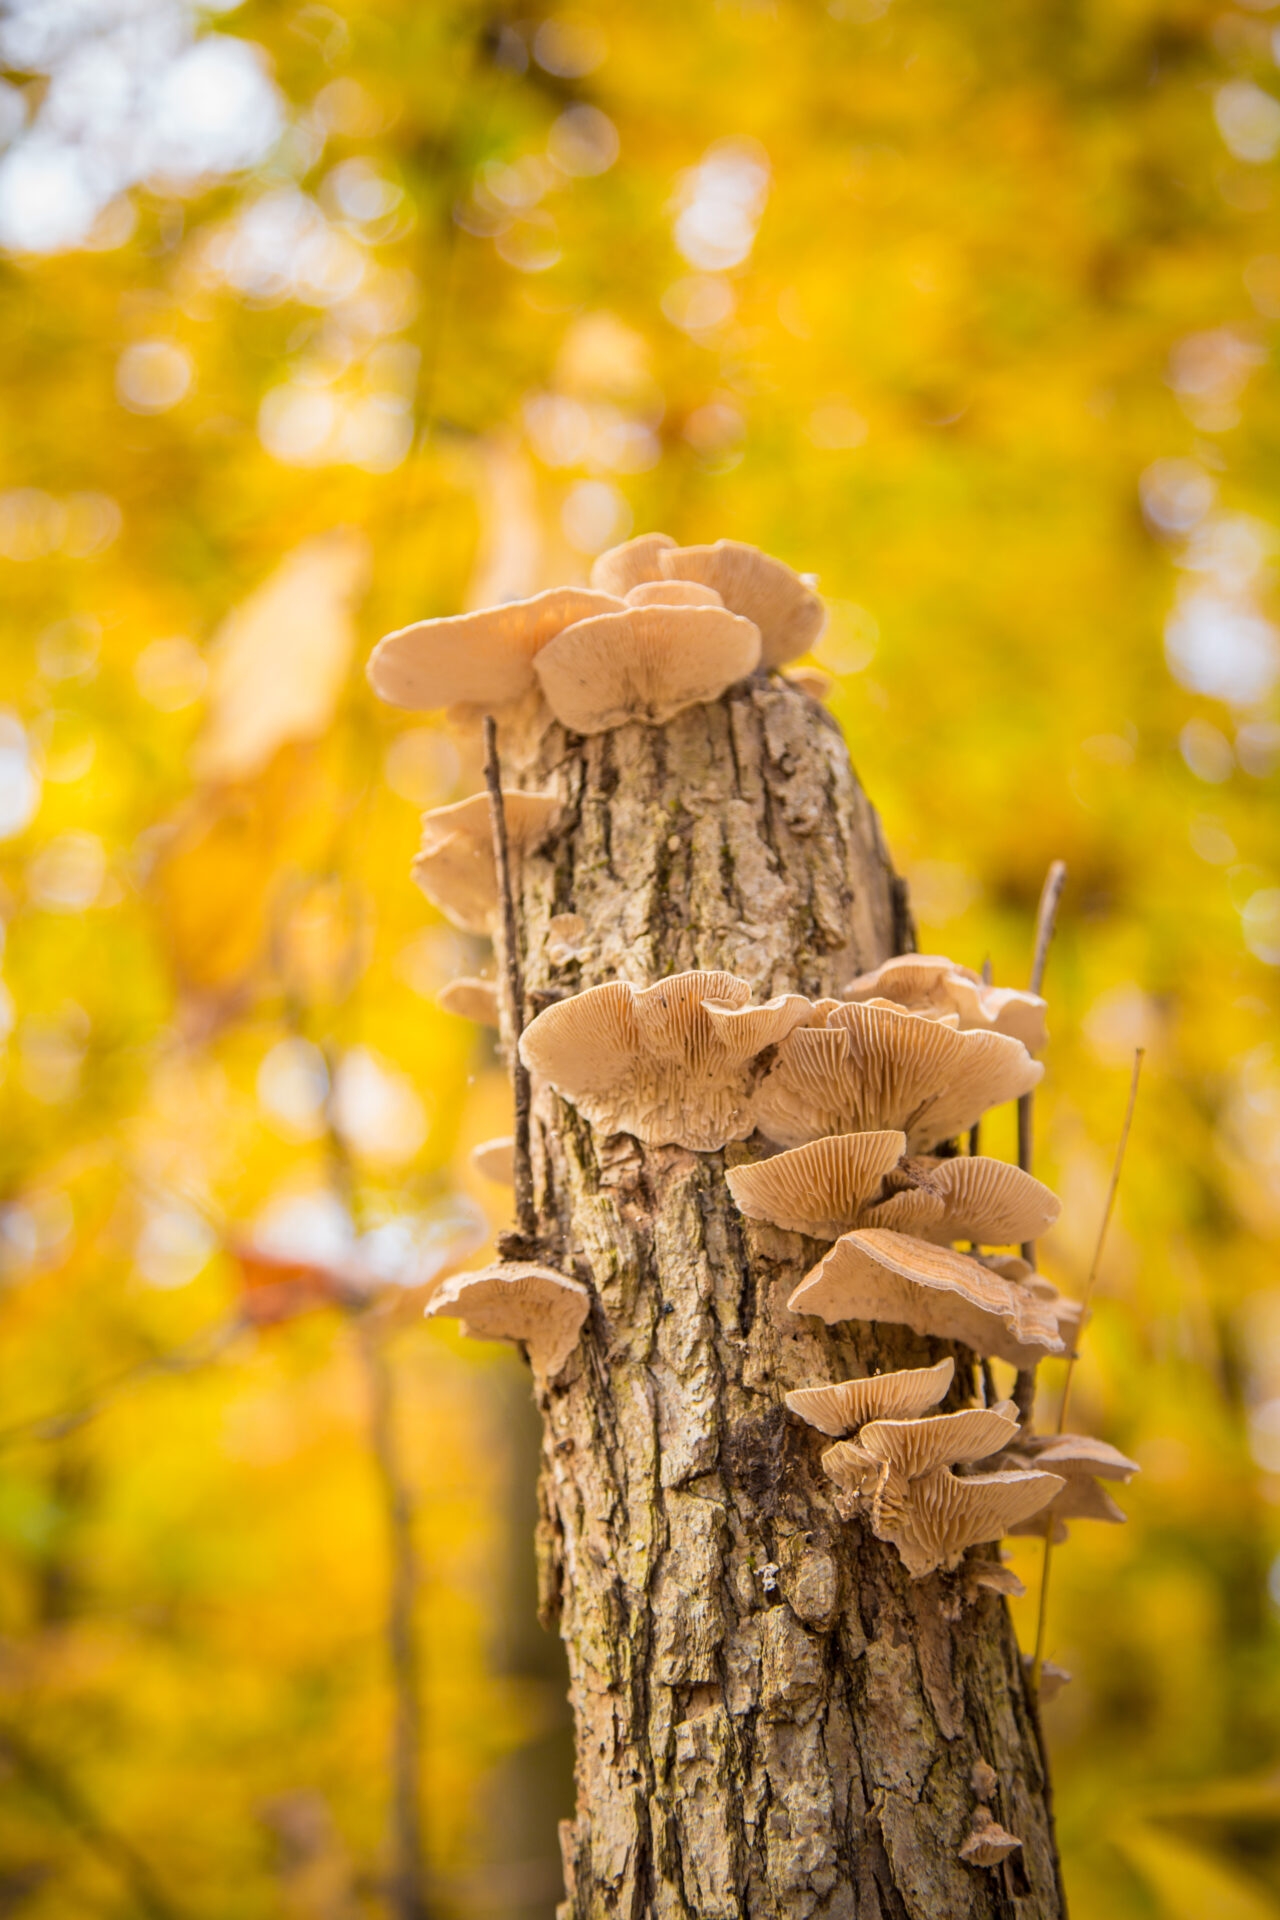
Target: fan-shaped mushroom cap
<point>789,613</point>
<point>874,1274</point>
<point>987,1843</point>
<point>565,938</point>
<point>455,867</point>
<point>846,1404</point>
<point>929,981</point>
<point>655,1061</point>
<point>673,593</point>
<point>872,1067</point>
<point>517,1300</point>
<point>1078,1453</point>
<point>991,1577</point>
<point>915,1447</point>
<point>932,1520</point>
<point>495,1160</point>
<point>1052,1680</point>
<point>1082,1498</point>
<point>477,659</point>
<point>990,1202</point>
<point>821,1188</point>
<point>645,664</point>
<point>811,680</point>
<point>470,1000</point>
<point>852,1468</point>
<point>619,569</point>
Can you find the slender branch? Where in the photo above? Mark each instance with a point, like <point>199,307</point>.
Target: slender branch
<point>975,1131</point>
<point>1117,1168</point>
<point>1046,920</point>
<point>1024,1390</point>
<point>526,1217</point>
<point>61,1793</point>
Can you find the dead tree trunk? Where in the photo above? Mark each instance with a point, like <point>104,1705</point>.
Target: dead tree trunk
<point>772,1719</point>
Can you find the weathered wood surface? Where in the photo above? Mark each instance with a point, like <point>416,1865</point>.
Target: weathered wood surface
<point>772,1720</point>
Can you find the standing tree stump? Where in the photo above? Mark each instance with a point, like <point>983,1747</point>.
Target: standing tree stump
<point>772,1719</point>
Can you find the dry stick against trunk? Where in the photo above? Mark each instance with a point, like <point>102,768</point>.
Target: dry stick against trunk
<point>1099,1244</point>
<point>408,1887</point>
<point>1024,1390</point>
<point>513,985</point>
<point>975,1131</point>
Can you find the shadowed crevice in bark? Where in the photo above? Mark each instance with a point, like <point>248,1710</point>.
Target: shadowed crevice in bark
<point>771,1719</point>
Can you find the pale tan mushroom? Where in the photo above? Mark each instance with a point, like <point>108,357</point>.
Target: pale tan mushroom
<point>521,1302</point>
<point>1084,1463</point>
<point>470,999</point>
<point>818,1189</point>
<point>673,593</point>
<point>811,680</point>
<point>929,982</point>
<point>874,1274</point>
<point>455,867</point>
<point>990,1576</point>
<point>482,659</point>
<point>1052,1680</point>
<point>644,664</point>
<point>989,1202</point>
<point>495,1160</point>
<point>911,1448</point>
<point>619,569</point>
<point>565,938</point>
<point>786,609</point>
<point>874,1067</point>
<point>933,1520</point>
<point>846,1404</point>
<point>656,1062</point>
<point>987,1843</point>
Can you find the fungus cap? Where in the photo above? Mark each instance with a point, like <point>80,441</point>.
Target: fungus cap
<point>847,1404</point>
<point>566,938</point>
<point>874,1067</point>
<point>1078,1453</point>
<point>818,1189</point>
<point>495,1160</point>
<point>874,1274</point>
<point>619,569</point>
<point>786,609</point>
<point>518,1301</point>
<point>933,1520</point>
<point>482,659</point>
<point>922,982</point>
<point>987,1843</point>
<point>990,1202</point>
<point>656,1062</point>
<point>455,866</point>
<point>673,593</point>
<point>470,999</point>
<point>644,664</point>
<point>915,1447</point>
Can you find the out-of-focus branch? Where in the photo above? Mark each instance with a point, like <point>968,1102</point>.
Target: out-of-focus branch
<point>512,974</point>
<point>1024,1390</point>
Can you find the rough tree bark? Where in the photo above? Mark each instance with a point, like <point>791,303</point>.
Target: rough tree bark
<point>772,1720</point>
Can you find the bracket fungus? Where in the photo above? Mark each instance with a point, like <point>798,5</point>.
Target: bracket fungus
<point>990,1203</point>
<point>480,660</point>
<point>987,1843</point>
<point>847,1404</point>
<point>518,1301</point>
<point>783,605</point>
<point>930,983</point>
<point>495,1160</point>
<point>875,1274</point>
<point>932,1521</point>
<point>871,1067</point>
<point>819,1189</point>
<point>1084,1464</point>
<point>895,1451</point>
<point>455,866</point>
<point>470,999</point>
<point>672,1064</point>
<point>645,663</point>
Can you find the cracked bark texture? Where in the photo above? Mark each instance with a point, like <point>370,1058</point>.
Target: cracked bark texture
<point>772,1720</point>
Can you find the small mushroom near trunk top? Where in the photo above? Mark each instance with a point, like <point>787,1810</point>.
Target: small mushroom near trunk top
<point>671,1064</point>
<point>987,1843</point>
<point>470,999</point>
<point>455,866</point>
<point>821,1188</point>
<point>644,663</point>
<point>929,982</point>
<point>786,609</point>
<point>872,1067</point>
<point>619,569</point>
<point>875,1274</point>
<point>495,1160</point>
<point>673,593</point>
<point>847,1404</point>
<point>521,1302</point>
<point>483,659</point>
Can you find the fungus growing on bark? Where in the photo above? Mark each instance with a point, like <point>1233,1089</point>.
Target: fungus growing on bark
<point>811,680</point>
<point>470,999</point>
<point>991,1576</point>
<point>789,614</point>
<point>565,938</point>
<point>644,663</point>
<point>874,1274</point>
<point>930,983</point>
<point>495,1160</point>
<point>847,1404</point>
<point>1084,1464</point>
<point>987,1843</point>
<point>897,1451</point>
<point>673,593</point>
<point>619,569</point>
<point>672,1063</point>
<point>482,659</point>
<point>819,1189</point>
<point>989,1202</point>
<point>455,864</point>
<point>521,1302</point>
<point>870,1067</point>
<point>932,1520</point>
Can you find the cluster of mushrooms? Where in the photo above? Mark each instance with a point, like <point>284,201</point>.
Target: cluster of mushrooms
<point>858,1101</point>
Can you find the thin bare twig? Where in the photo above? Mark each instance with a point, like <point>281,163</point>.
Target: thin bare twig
<point>1117,1168</point>
<point>975,1131</point>
<point>1024,1390</point>
<point>526,1218</point>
